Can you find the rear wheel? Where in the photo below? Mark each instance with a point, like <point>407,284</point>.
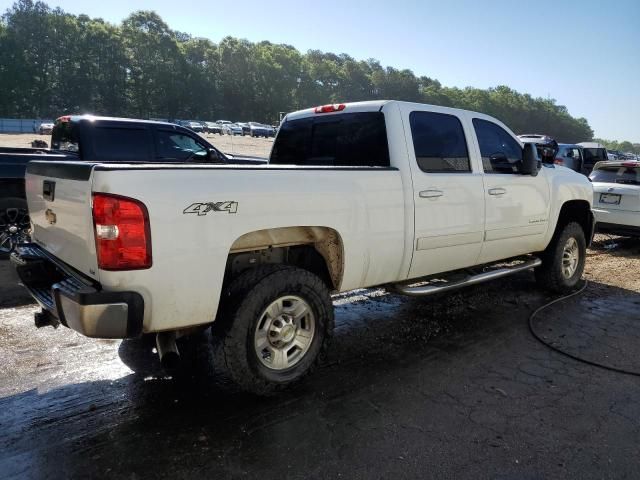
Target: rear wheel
<point>274,327</point>
<point>14,224</point>
<point>563,260</point>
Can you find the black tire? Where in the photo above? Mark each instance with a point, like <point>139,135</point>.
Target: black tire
<point>553,274</point>
<point>13,211</point>
<point>243,308</point>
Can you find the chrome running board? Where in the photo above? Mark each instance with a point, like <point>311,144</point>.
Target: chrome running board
<point>430,289</point>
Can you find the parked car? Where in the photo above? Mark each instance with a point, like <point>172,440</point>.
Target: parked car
<point>246,129</point>
<point>355,195</point>
<point>570,156</point>
<point>616,201</point>
<point>259,130</point>
<point>547,146</point>
<point>614,155</point>
<point>193,126</point>
<point>103,139</point>
<point>593,153</point>
<point>222,123</point>
<point>231,129</point>
<point>45,128</point>
<point>212,127</point>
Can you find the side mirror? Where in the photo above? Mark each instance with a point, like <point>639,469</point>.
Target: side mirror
<point>212,156</point>
<point>530,160</point>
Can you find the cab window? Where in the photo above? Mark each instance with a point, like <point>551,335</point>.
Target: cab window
<point>175,145</point>
<point>439,143</point>
<point>500,152</point>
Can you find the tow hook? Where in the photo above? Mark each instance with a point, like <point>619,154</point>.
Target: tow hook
<point>167,349</point>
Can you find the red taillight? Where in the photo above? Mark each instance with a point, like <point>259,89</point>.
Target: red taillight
<point>559,161</point>
<point>334,107</point>
<point>630,164</point>
<point>123,236</point>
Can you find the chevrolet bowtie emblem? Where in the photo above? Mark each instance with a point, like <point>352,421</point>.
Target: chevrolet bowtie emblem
<point>50,216</point>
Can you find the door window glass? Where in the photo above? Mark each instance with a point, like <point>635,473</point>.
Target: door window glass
<point>174,145</point>
<point>439,143</point>
<point>500,152</point>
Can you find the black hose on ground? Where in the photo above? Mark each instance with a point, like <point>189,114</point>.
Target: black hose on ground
<point>567,354</point>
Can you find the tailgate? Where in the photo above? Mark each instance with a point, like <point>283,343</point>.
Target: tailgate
<point>59,198</point>
<point>616,197</point>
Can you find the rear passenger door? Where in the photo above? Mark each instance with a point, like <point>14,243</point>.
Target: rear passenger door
<point>448,191</point>
<point>517,206</point>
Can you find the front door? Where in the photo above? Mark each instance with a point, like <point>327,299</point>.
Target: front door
<point>517,206</point>
<point>448,192</point>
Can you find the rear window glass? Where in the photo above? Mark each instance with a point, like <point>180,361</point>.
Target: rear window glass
<point>121,144</point>
<point>65,137</point>
<point>439,142</point>
<point>622,174</point>
<point>593,155</point>
<point>343,140</point>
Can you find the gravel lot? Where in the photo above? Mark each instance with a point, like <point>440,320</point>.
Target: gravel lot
<point>442,387</point>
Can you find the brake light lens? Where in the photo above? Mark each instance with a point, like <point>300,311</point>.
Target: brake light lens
<point>123,234</point>
<point>559,161</point>
<point>334,107</point>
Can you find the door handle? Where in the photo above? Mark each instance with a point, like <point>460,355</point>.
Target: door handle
<point>431,193</point>
<point>497,191</point>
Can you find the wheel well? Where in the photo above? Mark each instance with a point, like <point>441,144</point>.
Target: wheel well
<point>316,249</point>
<point>12,188</point>
<point>576,211</point>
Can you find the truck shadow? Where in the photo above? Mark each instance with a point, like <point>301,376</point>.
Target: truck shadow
<point>390,353</point>
<point>12,293</point>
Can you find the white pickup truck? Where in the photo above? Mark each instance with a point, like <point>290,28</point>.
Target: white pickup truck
<point>417,198</point>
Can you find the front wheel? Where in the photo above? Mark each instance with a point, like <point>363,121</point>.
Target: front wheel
<point>274,327</point>
<point>563,260</point>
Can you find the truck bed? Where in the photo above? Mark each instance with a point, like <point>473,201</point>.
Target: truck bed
<point>191,244</point>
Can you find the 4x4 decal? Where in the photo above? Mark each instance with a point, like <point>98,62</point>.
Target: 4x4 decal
<point>204,208</point>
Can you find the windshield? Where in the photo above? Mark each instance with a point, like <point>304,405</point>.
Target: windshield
<point>617,174</point>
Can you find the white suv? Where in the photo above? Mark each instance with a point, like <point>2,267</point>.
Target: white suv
<point>616,201</point>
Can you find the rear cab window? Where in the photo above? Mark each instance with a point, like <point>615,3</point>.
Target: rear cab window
<point>65,137</point>
<point>439,143</point>
<point>341,140</point>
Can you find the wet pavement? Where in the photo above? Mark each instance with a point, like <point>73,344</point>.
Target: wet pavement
<point>447,387</point>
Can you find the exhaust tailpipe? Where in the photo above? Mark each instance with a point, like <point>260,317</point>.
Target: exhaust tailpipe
<point>167,349</point>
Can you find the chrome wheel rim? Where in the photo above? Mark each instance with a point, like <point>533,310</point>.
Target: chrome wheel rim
<point>14,228</point>
<point>570,258</point>
<point>284,333</point>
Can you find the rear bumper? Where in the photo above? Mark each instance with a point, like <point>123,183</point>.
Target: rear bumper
<point>617,221</point>
<point>74,301</point>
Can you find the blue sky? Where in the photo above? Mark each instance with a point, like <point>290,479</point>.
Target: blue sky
<point>585,54</point>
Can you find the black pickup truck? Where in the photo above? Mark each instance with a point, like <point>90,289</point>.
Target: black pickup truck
<point>103,139</point>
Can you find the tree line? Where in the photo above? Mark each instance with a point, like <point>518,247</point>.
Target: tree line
<point>53,63</point>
